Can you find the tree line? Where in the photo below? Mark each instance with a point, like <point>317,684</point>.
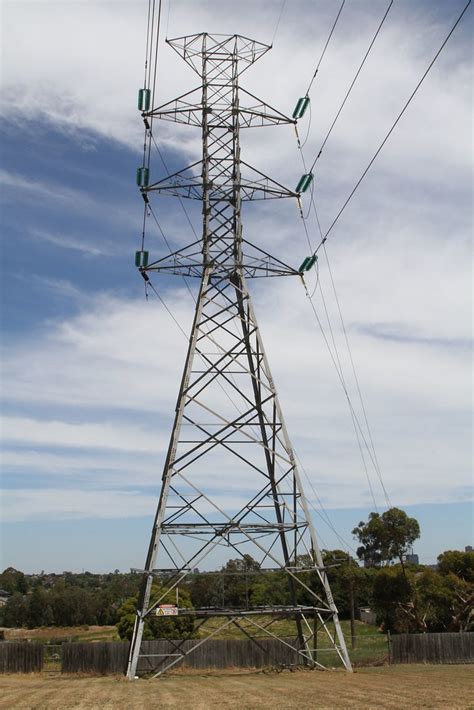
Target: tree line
<point>406,598</point>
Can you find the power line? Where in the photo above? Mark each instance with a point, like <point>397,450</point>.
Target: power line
<point>168,18</point>
<point>349,350</point>
<point>339,369</point>
<point>168,310</point>
<point>278,22</point>
<point>336,360</point>
<point>180,199</point>
<point>325,47</point>
<point>301,145</point>
<point>392,127</point>
<point>351,86</point>
<point>356,379</point>
<point>155,69</point>
<point>147,44</point>
<point>323,240</point>
<point>340,374</point>
<point>151,44</point>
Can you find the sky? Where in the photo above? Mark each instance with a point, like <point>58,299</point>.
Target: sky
<point>91,368</point>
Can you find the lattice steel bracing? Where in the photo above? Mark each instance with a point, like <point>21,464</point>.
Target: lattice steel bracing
<point>230,478</point>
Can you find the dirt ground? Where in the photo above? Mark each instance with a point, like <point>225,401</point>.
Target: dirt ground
<point>383,687</point>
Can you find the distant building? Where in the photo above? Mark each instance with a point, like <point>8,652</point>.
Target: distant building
<point>4,597</point>
<point>412,559</point>
<point>369,563</point>
<point>367,615</point>
<point>468,548</point>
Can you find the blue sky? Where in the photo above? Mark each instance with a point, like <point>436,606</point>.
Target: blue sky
<point>91,369</point>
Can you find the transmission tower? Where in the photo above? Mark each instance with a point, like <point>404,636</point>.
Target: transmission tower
<point>230,478</point>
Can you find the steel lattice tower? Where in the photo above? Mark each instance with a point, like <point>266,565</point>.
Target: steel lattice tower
<point>230,477</point>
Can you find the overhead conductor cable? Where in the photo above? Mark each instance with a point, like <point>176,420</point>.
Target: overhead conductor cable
<point>407,103</point>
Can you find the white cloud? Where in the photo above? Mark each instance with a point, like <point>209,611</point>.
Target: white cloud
<point>78,82</point>
<point>400,253</point>
<point>115,342</point>
<point>47,193</point>
<point>95,435</point>
<point>75,503</point>
<point>70,242</point>
<point>38,190</point>
<point>59,504</point>
<point>413,388</point>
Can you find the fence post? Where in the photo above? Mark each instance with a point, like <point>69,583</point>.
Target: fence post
<point>389,646</point>
<point>315,638</point>
<point>351,602</point>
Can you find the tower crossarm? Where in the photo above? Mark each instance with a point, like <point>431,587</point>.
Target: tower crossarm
<point>186,183</point>
<point>188,262</point>
<point>184,110</point>
<point>218,48</point>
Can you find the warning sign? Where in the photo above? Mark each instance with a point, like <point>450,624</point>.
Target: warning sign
<point>167,610</point>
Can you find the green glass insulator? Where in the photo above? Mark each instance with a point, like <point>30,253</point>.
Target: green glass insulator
<point>304,182</point>
<point>296,112</point>
<point>303,265</point>
<point>144,97</point>
<point>301,107</point>
<point>142,177</point>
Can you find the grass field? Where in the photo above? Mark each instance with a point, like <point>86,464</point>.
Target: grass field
<point>384,687</point>
<point>60,634</point>
<point>371,645</point>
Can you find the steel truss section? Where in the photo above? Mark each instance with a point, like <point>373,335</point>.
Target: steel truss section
<point>188,262</point>
<point>230,480</point>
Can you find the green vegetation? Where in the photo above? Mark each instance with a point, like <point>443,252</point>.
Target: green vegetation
<point>386,537</point>
<point>156,627</point>
<point>371,646</point>
<point>406,598</point>
<point>65,599</point>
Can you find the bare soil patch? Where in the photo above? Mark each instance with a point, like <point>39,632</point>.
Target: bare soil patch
<point>385,687</point>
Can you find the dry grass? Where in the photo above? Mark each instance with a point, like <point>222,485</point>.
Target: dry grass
<point>387,687</point>
<point>51,634</point>
<point>371,645</point>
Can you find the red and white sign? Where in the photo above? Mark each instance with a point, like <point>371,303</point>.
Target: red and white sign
<point>167,610</point>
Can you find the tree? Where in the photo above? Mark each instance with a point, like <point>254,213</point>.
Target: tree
<point>386,537</point>
<point>72,606</point>
<point>205,589</point>
<point>40,611</point>
<point>13,581</point>
<point>459,563</point>
<point>174,627</point>
<point>238,576</point>
<point>445,602</point>
<point>392,600</point>
<point>16,611</point>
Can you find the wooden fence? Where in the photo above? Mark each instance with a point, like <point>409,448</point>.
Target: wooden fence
<point>21,657</point>
<point>111,657</point>
<point>103,657</point>
<point>216,653</point>
<point>432,648</point>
